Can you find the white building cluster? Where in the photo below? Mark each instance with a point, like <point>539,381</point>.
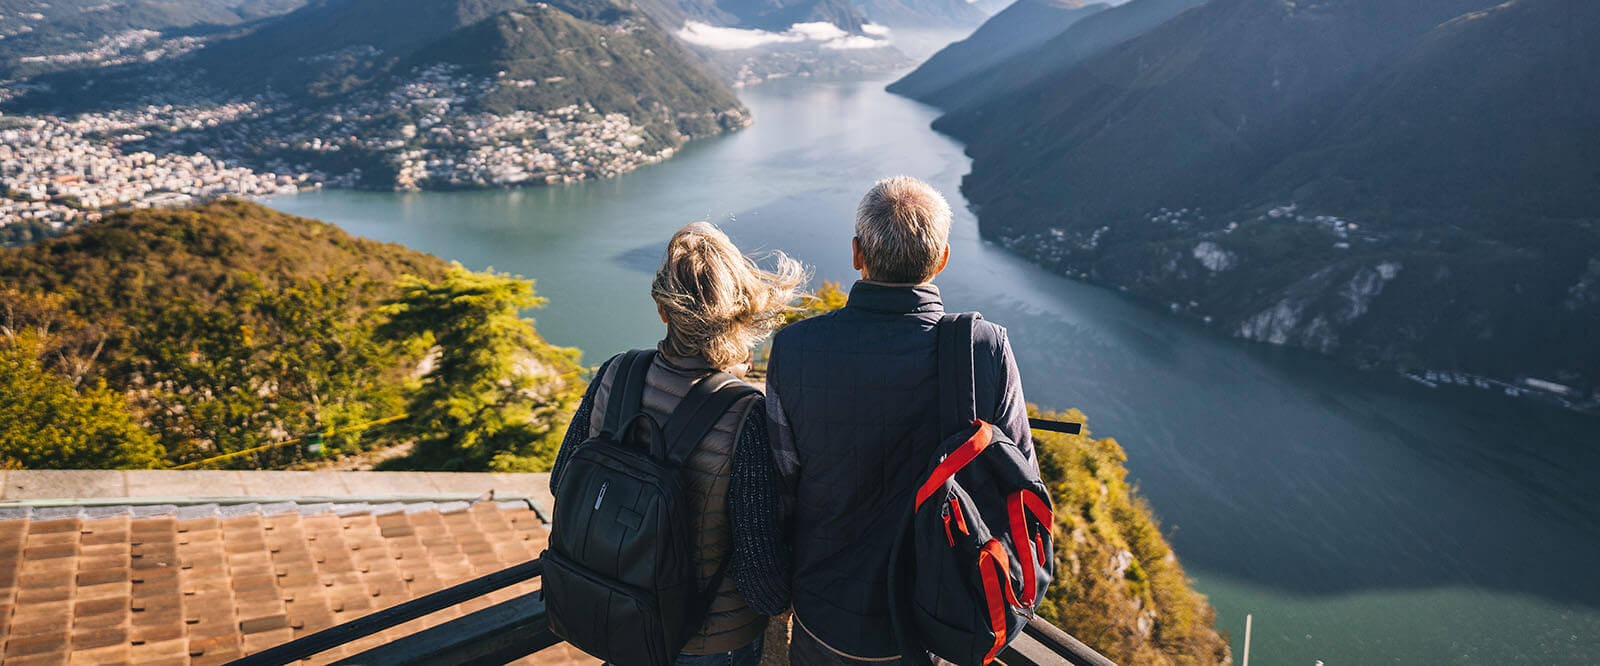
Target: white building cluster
<point>425,133</point>
<point>63,171</point>
<point>121,48</point>
<point>445,142</point>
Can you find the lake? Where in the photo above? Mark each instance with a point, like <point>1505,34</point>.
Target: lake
<point>1361,518</point>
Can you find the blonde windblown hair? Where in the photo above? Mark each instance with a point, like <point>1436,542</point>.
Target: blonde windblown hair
<point>717,301</point>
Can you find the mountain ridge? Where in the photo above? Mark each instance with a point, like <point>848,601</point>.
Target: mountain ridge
<point>1019,27</point>
<point>1352,177</point>
<point>409,94</point>
<point>1076,42</point>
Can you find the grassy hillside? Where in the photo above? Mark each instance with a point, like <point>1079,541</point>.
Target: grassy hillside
<point>1119,587</point>
<point>231,326</point>
<point>145,259</point>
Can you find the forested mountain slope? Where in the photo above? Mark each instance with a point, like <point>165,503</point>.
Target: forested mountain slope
<point>39,37</point>
<point>410,94</point>
<point>1016,29</point>
<point>1002,68</point>
<point>1406,184</point>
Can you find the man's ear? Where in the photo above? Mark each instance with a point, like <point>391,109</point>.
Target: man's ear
<point>943,261</point>
<point>856,261</point>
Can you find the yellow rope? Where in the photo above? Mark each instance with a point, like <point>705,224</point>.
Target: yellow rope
<point>359,426</point>
<point>263,447</point>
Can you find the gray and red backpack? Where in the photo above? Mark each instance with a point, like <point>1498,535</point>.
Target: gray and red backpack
<point>976,553</point>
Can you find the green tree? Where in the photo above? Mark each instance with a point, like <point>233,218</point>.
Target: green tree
<point>45,422</point>
<point>63,341</point>
<point>225,326</point>
<point>264,364</point>
<point>493,389</point>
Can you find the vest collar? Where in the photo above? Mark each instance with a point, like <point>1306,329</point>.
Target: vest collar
<point>895,299</point>
<point>681,363</point>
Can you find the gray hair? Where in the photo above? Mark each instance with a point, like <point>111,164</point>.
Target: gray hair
<point>717,301</point>
<point>903,226</point>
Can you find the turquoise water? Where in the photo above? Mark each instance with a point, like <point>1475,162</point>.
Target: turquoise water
<point>1360,518</point>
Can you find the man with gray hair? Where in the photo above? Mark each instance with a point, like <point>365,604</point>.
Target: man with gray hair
<point>852,399</point>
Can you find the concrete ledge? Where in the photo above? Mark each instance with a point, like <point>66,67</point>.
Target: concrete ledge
<point>21,485</point>
<point>29,484</point>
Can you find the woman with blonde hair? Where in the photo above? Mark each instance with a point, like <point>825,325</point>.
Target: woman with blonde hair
<point>717,303</point>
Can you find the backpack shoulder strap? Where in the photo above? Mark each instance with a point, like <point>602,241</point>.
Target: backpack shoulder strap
<point>627,391</point>
<point>699,412</point>
<point>957,399</point>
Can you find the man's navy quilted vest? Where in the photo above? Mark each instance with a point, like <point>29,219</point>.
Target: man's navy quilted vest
<point>858,389</point>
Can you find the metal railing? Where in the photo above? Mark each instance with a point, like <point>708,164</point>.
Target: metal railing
<point>1065,427</point>
<point>517,628</point>
<point>514,629</point>
<point>367,625</point>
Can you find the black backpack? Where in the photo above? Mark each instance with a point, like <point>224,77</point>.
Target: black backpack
<point>976,553</point>
<point>619,576</point>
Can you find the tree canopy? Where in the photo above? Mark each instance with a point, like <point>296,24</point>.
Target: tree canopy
<point>47,423</point>
<point>231,326</point>
<point>493,388</point>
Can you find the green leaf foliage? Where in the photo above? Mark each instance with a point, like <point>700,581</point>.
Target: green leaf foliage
<point>493,387</point>
<point>47,423</point>
<point>825,299</point>
<point>227,326</point>
<point>277,362</point>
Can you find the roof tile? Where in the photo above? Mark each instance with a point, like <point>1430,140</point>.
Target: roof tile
<point>209,584</point>
<point>38,643</point>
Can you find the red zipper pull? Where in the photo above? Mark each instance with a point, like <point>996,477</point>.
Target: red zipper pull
<point>961,522</point>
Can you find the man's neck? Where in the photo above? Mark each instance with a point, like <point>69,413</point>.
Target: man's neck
<point>895,284</point>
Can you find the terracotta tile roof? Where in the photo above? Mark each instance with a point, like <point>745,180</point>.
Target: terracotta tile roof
<point>206,584</point>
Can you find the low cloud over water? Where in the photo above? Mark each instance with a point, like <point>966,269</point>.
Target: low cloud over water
<point>822,33</point>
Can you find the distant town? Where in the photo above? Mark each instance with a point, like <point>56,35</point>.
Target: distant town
<point>1071,251</point>
<point>62,171</point>
<point>58,172</point>
<point>1525,387</point>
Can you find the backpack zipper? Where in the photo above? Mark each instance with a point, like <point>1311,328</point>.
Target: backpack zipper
<point>601,497</point>
<point>945,513</point>
<point>961,522</point>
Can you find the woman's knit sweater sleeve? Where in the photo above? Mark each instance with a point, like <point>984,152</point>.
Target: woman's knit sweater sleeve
<point>577,430</point>
<point>760,566</point>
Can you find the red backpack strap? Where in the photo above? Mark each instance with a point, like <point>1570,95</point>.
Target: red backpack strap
<point>1019,506</point>
<point>953,463</point>
<point>995,570</point>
